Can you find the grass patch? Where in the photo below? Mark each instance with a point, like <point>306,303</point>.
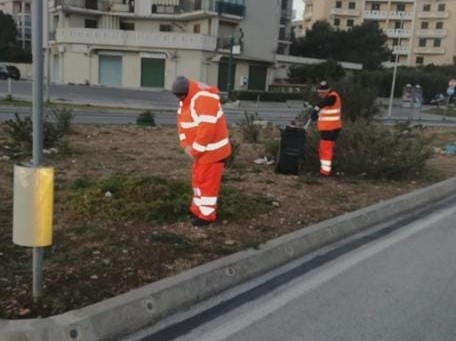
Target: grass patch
<point>177,241</point>
<point>450,111</point>
<point>123,198</point>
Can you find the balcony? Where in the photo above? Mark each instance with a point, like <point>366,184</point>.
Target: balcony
<point>433,15</point>
<point>432,33</point>
<point>346,12</point>
<point>92,5</point>
<point>376,15</point>
<point>429,50</point>
<point>400,15</point>
<point>398,33</point>
<point>404,50</point>
<point>223,7</point>
<point>139,39</point>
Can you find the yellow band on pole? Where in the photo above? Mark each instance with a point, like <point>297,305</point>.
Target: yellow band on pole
<point>33,206</point>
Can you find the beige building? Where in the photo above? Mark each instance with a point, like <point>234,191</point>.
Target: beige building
<point>147,43</point>
<point>20,11</point>
<point>419,32</point>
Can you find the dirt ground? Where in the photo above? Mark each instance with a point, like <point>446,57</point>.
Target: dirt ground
<point>91,260</point>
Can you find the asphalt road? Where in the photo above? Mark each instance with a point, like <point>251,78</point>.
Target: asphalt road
<point>399,286</point>
<point>164,105</point>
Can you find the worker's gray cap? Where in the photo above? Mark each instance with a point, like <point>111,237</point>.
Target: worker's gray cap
<point>180,86</point>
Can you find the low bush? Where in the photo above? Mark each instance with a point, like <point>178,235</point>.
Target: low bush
<point>146,118</point>
<point>56,124</point>
<point>374,151</point>
<point>124,198</point>
<point>250,128</point>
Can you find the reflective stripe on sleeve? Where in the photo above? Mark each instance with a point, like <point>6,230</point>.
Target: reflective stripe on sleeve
<point>182,137</point>
<point>330,118</point>
<point>186,125</point>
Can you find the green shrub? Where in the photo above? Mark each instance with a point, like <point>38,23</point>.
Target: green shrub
<point>250,130</point>
<point>55,125</point>
<point>149,199</point>
<point>376,151</point>
<point>271,148</point>
<point>146,118</point>
<point>235,147</point>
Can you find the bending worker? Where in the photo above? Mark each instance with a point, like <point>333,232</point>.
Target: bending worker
<point>329,114</point>
<point>204,137</point>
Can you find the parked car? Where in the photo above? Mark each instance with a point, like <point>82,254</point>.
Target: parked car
<point>437,99</point>
<point>9,71</point>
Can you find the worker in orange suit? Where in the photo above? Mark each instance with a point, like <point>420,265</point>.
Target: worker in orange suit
<point>328,112</point>
<point>204,138</point>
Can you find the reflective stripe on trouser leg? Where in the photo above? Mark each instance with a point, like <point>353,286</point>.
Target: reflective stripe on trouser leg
<point>326,156</point>
<point>206,178</point>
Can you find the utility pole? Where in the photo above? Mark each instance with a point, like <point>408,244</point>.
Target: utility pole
<point>37,115</point>
<point>230,66</point>
<point>393,83</point>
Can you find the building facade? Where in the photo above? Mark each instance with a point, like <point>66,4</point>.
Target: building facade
<point>20,10</point>
<point>419,32</point>
<point>147,43</point>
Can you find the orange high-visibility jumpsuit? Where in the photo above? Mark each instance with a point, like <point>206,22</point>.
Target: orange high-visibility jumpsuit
<point>202,128</point>
<point>329,126</point>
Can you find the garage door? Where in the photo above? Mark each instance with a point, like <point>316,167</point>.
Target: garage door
<point>223,74</point>
<point>152,72</point>
<point>257,77</point>
<point>110,70</point>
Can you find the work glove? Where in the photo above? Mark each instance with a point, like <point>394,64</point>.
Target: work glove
<point>314,114</point>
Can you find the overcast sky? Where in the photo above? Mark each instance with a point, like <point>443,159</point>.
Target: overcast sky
<point>298,5</point>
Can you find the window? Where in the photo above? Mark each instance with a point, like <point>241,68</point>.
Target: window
<point>397,25</point>
<point>336,22</point>
<point>375,7</point>
<point>437,42</point>
<point>350,22</point>
<point>395,41</point>
<point>400,8</point>
<point>197,28</point>
<point>127,26</point>
<point>424,25</point>
<point>422,42</point>
<point>427,8</point>
<point>439,25</point>
<point>420,60</point>
<point>441,7</point>
<point>165,28</point>
<point>352,5</point>
<point>338,4</point>
<point>90,23</point>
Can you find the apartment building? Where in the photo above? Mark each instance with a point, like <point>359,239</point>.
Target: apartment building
<point>147,43</point>
<point>20,11</point>
<point>419,32</point>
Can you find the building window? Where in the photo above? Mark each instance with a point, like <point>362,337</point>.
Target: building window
<point>441,7</point>
<point>426,8</point>
<point>90,23</point>
<point>197,28</point>
<point>422,42</point>
<point>165,28</point>
<point>397,25</point>
<point>338,4</point>
<point>420,60</point>
<point>400,8</point>
<point>395,41</point>
<point>424,25</point>
<point>352,5</point>
<point>439,25</point>
<point>375,7</point>
<point>437,42</point>
<point>127,26</point>
<point>336,22</point>
<point>350,22</point>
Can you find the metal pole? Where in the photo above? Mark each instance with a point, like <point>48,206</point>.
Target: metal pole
<point>46,50</point>
<point>393,83</point>
<point>230,63</point>
<point>37,115</point>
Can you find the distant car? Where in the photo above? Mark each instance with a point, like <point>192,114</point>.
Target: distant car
<point>437,99</point>
<point>9,71</point>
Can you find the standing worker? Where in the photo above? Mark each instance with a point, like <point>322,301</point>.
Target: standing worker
<point>204,137</point>
<point>329,114</point>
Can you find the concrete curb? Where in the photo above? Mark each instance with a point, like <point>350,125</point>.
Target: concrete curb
<point>119,316</point>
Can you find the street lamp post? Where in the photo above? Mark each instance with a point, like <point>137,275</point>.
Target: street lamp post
<point>393,83</point>
<point>230,66</point>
